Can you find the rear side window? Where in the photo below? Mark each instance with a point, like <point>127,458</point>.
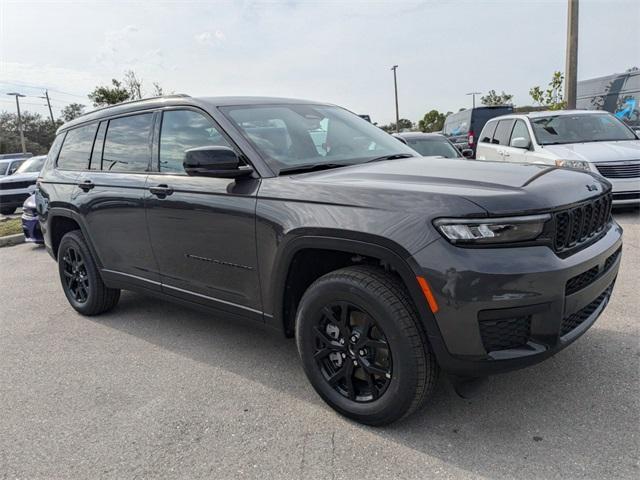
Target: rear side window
<point>76,148</point>
<point>458,123</point>
<point>488,131</point>
<point>503,132</point>
<point>181,131</point>
<point>127,146</point>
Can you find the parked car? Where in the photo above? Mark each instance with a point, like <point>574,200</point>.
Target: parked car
<point>10,162</point>
<point>15,188</point>
<point>385,267</point>
<point>593,141</point>
<point>432,144</point>
<point>463,127</point>
<point>30,224</point>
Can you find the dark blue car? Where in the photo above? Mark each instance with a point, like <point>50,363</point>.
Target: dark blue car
<point>30,225</point>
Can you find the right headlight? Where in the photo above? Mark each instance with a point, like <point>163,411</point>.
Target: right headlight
<point>481,231</point>
<point>575,164</point>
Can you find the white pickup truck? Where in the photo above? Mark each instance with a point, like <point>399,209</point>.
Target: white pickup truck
<point>589,140</point>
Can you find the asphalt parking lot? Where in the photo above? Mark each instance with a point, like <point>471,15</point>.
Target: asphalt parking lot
<point>152,390</point>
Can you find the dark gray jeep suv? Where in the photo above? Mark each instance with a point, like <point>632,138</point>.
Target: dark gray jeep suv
<point>304,217</point>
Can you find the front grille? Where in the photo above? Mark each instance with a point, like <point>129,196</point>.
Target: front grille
<point>580,281</point>
<point>626,196</point>
<point>16,185</point>
<point>575,320</point>
<point>505,333</point>
<point>619,170</point>
<point>579,225</point>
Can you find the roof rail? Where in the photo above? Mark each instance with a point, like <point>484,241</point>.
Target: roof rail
<point>175,95</point>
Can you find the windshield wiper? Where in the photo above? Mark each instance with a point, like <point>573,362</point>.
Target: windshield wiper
<point>393,156</point>
<point>312,168</point>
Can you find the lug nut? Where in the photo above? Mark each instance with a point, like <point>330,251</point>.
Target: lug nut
<point>342,341</point>
<point>344,355</point>
<point>354,338</point>
<point>355,362</point>
<point>362,353</point>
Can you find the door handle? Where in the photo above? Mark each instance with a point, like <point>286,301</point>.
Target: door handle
<point>161,191</point>
<point>86,185</point>
<point>506,154</point>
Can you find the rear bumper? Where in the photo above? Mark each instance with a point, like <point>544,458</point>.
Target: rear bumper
<point>508,308</point>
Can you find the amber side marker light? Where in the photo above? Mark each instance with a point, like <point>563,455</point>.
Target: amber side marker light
<point>428,294</point>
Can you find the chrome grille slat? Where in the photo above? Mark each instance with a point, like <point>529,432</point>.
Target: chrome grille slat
<point>619,170</point>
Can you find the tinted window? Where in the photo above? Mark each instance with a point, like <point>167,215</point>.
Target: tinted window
<point>488,131</point>
<point>127,145</point>
<point>76,149</point>
<point>520,131</point>
<point>182,130</point>
<point>96,155</point>
<point>503,132</point>
<point>434,147</point>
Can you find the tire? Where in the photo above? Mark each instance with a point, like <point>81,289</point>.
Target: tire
<point>7,210</point>
<point>378,312</point>
<point>81,281</point>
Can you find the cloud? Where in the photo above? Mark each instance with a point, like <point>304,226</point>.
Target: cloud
<point>211,39</point>
<point>116,44</point>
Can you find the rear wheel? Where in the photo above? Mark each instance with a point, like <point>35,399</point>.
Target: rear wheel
<point>362,346</point>
<point>80,279</point>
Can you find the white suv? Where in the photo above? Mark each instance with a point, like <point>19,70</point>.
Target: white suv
<point>584,139</point>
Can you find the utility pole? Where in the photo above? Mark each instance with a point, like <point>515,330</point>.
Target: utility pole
<point>571,69</point>
<point>395,86</point>
<point>46,97</point>
<point>18,95</point>
<point>473,94</point>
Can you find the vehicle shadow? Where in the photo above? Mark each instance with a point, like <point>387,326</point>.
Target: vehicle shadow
<point>580,403</point>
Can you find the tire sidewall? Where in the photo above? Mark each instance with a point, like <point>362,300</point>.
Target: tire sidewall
<point>74,239</point>
<point>399,394</point>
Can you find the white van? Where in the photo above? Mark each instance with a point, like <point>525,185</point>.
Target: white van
<point>589,140</point>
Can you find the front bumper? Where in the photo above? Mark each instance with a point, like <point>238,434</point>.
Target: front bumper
<point>12,199</point>
<point>501,309</point>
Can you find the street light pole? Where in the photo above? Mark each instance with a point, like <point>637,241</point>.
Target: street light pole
<point>46,97</point>
<point>395,86</point>
<point>571,68</point>
<point>18,95</point>
<point>473,94</point>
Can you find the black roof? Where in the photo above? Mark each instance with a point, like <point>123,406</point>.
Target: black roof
<point>176,100</point>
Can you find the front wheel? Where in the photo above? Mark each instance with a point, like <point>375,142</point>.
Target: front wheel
<point>7,210</point>
<point>362,346</point>
<point>80,278</point>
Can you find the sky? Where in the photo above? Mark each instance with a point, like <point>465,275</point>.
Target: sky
<point>332,51</point>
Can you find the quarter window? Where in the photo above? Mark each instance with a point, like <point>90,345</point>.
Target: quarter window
<point>181,131</point>
<point>127,144</point>
<point>76,148</point>
<point>487,132</point>
<point>503,132</point>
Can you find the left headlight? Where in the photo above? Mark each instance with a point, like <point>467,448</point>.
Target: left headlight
<point>480,231</point>
<point>575,164</point>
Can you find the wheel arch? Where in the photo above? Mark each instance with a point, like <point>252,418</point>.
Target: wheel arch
<point>388,253</point>
<point>61,221</point>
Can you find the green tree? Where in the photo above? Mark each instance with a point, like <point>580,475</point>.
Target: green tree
<point>432,121</point>
<point>109,95</point>
<point>39,132</point>
<point>553,97</point>
<point>71,111</point>
<point>133,85</point>
<point>404,124</point>
<point>492,98</point>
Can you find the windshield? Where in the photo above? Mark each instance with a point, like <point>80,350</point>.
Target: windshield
<point>300,135</point>
<point>580,128</point>
<point>433,146</point>
<point>34,164</point>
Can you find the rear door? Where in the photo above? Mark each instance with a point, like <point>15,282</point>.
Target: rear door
<point>202,228</point>
<point>487,149</point>
<point>501,138</point>
<point>111,195</point>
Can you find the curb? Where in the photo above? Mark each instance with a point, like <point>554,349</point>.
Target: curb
<point>10,240</point>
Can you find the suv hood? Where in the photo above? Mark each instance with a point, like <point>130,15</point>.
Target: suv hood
<point>19,177</point>
<point>422,183</point>
<point>597,151</point>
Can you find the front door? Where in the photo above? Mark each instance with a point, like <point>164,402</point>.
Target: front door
<point>202,228</point>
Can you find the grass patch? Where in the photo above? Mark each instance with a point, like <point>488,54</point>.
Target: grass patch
<point>9,227</point>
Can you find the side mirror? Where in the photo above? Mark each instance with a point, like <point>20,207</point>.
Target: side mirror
<point>467,153</point>
<point>214,161</point>
<point>520,142</point>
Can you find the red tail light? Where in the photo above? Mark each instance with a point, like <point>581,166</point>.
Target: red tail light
<point>470,138</point>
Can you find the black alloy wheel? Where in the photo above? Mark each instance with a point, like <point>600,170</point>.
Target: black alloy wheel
<point>75,274</point>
